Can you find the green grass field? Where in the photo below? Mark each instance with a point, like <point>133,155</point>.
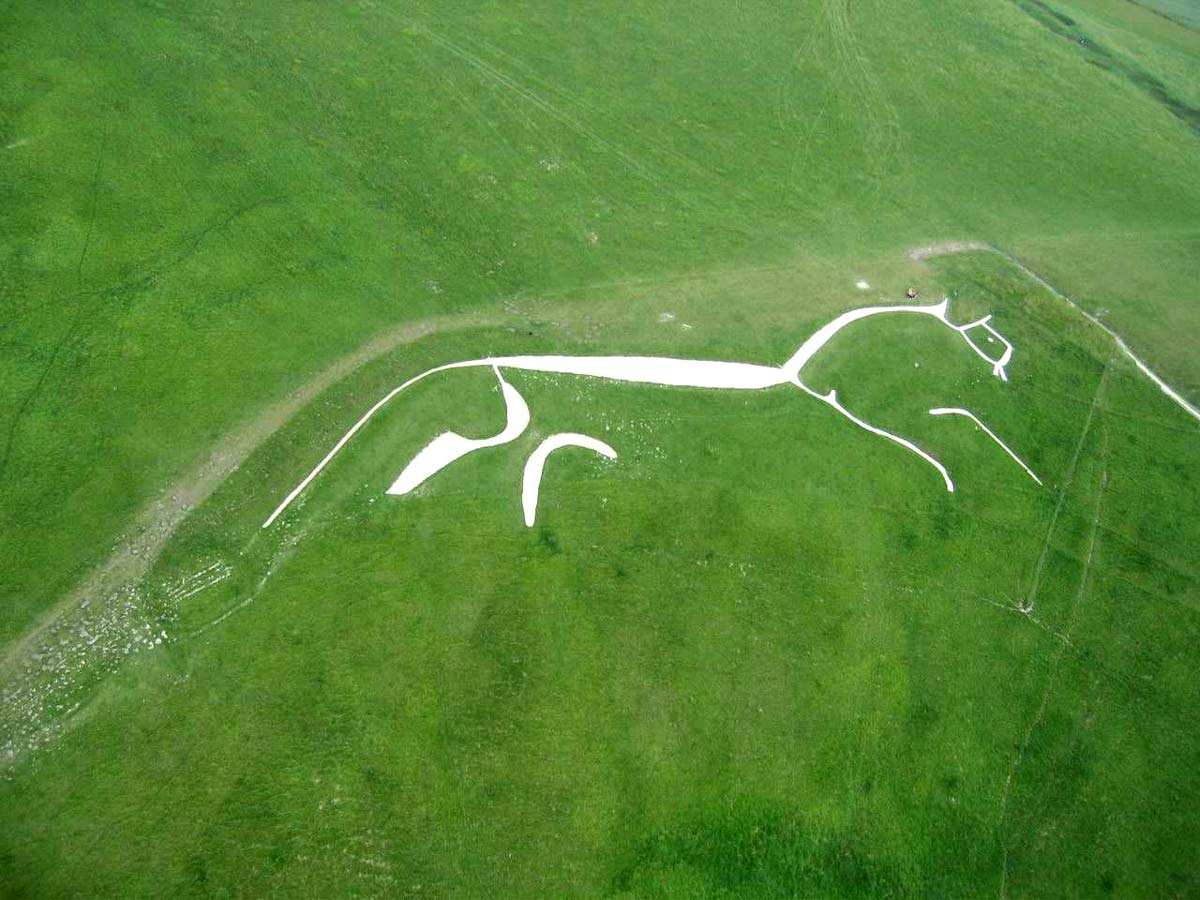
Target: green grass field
<point>1182,12</point>
<point>762,652</point>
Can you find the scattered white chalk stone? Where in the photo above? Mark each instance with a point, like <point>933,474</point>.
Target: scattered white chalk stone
<point>862,285</point>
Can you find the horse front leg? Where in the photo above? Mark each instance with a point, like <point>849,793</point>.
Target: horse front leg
<point>832,400</point>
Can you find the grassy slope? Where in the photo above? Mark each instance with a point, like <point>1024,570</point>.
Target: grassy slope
<point>1168,50</point>
<point>244,194</point>
<point>713,665</point>
<point>1158,298</point>
<point>187,214</point>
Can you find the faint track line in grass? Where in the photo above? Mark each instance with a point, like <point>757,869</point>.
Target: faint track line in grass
<point>1161,14</point>
<point>110,584</point>
<point>1151,592</point>
<point>188,246</point>
<point>585,106</point>
<point>93,195</point>
<point>1097,53</point>
<point>1120,342</point>
<point>191,247</point>
<point>1156,236</point>
<point>1060,650</point>
<point>500,78</point>
<point>1028,617</point>
<point>161,516</point>
<point>884,131</point>
<point>76,319</point>
<point>280,558</point>
<point>1031,597</point>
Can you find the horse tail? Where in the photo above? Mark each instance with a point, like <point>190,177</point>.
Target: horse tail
<point>354,429</point>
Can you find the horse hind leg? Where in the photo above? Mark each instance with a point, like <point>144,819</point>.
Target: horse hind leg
<point>451,446</point>
<point>531,482</point>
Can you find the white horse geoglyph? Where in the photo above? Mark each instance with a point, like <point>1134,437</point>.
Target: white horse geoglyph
<point>691,373</point>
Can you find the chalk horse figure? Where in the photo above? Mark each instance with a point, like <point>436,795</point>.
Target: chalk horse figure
<point>449,446</point>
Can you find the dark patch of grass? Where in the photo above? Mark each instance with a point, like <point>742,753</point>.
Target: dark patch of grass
<point>1105,58</point>
<point>756,849</point>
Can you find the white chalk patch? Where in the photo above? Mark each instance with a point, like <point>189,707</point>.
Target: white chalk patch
<point>666,317</point>
<point>15,144</point>
<point>660,370</point>
<point>862,285</point>
<point>199,581</point>
<point>531,482</point>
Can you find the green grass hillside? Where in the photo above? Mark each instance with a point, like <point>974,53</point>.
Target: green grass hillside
<point>762,652</point>
<point>1182,12</point>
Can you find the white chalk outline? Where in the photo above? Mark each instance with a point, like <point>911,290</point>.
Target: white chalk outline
<point>832,399</point>
<point>450,446</point>
<point>665,371</point>
<point>958,411</point>
<point>531,480</point>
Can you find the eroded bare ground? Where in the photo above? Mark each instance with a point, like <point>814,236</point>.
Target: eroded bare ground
<point>112,613</point>
<point>919,254</point>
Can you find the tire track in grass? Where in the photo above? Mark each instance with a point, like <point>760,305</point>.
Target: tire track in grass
<point>1061,648</point>
<point>883,129</point>
<point>589,110</point>
<point>493,74</point>
<point>1068,479</point>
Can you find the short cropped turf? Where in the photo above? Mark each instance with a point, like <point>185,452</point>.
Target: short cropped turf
<point>761,653</point>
